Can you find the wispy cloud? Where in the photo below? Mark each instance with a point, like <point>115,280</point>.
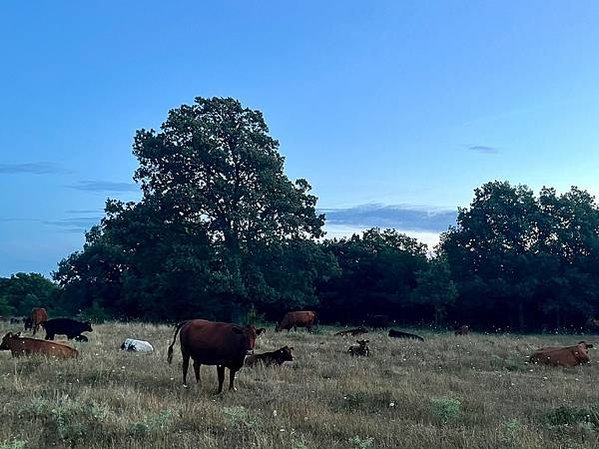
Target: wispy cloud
<point>32,168</point>
<point>74,224</point>
<point>104,186</point>
<point>403,217</point>
<point>484,149</point>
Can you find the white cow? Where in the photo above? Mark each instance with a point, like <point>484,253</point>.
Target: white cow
<point>130,344</point>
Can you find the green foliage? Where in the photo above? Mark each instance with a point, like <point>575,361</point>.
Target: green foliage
<point>239,416</point>
<point>151,425</point>
<point>358,442</point>
<point>446,410</point>
<point>436,289</point>
<point>219,226</point>
<point>569,415</point>
<point>24,291</point>
<point>13,444</point>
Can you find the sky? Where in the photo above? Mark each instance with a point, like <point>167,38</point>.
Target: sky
<point>393,110</point>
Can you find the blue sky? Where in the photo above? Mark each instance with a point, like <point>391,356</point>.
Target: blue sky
<point>406,105</point>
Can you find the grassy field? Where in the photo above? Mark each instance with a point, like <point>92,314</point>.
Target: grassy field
<point>448,392</point>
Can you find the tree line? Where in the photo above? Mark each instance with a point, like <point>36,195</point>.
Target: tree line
<point>222,233</point>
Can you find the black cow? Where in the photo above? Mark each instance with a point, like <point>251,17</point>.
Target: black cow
<point>28,323</point>
<point>399,334</point>
<point>65,326</point>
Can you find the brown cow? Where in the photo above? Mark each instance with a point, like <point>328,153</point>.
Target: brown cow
<point>567,356</point>
<point>353,332</point>
<point>462,330</point>
<point>19,346</point>
<point>302,318</point>
<point>37,316</point>
<point>277,357</point>
<point>210,343</point>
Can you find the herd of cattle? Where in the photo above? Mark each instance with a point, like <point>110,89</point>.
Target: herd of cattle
<point>232,346</point>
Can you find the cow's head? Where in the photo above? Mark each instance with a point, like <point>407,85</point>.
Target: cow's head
<point>585,345</point>
<point>363,342</point>
<point>4,345</point>
<point>284,354</point>
<point>87,327</point>
<point>249,334</point>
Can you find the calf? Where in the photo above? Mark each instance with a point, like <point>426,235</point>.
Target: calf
<point>353,332</point>
<point>133,345</point>
<point>399,334</point>
<point>65,326</point>
<point>462,330</point>
<point>20,346</point>
<point>568,356</point>
<point>277,357</point>
<point>361,349</point>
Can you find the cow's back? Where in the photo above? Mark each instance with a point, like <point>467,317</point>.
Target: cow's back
<point>38,315</point>
<point>28,346</point>
<point>300,318</point>
<point>213,343</point>
<point>568,356</point>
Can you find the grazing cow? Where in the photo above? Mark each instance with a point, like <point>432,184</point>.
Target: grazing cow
<point>38,315</point>
<point>302,318</point>
<point>568,356</point>
<point>399,334</point>
<point>361,349</point>
<point>277,357</point>
<point>378,321</point>
<point>210,343</point>
<point>353,332</point>
<point>81,338</point>
<point>133,345</point>
<point>65,326</point>
<point>462,330</point>
<point>19,346</point>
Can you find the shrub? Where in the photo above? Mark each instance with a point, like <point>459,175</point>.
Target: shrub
<point>445,409</point>
<point>361,443</point>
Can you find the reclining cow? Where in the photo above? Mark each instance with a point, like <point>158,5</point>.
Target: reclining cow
<point>277,357</point>
<point>361,349</point>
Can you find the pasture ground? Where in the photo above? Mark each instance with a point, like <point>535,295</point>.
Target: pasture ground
<point>448,392</point>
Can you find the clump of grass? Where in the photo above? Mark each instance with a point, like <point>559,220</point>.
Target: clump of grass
<point>13,444</point>
<point>446,409</point>
<point>151,425</point>
<point>569,416</point>
<point>358,442</point>
<point>238,416</point>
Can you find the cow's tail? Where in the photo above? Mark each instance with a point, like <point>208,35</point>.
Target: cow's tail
<point>169,357</point>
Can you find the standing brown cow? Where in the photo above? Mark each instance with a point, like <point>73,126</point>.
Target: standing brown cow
<point>302,318</point>
<point>210,343</point>
<point>19,346</point>
<point>568,356</point>
<point>38,315</point>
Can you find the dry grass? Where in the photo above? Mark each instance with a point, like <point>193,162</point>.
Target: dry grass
<point>448,392</point>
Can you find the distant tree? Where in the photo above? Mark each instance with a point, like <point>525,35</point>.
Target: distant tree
<point>524,261</point>
<point>378,274</point>
<point>23,291</point>
<point>435,289</point>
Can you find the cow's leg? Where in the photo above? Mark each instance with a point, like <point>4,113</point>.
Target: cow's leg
<point>49,336</point>
<point>185,366</point>
<point>35,326</point>
<point>232,373</point>
<point>220,369</point>
<point>196,369</point>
